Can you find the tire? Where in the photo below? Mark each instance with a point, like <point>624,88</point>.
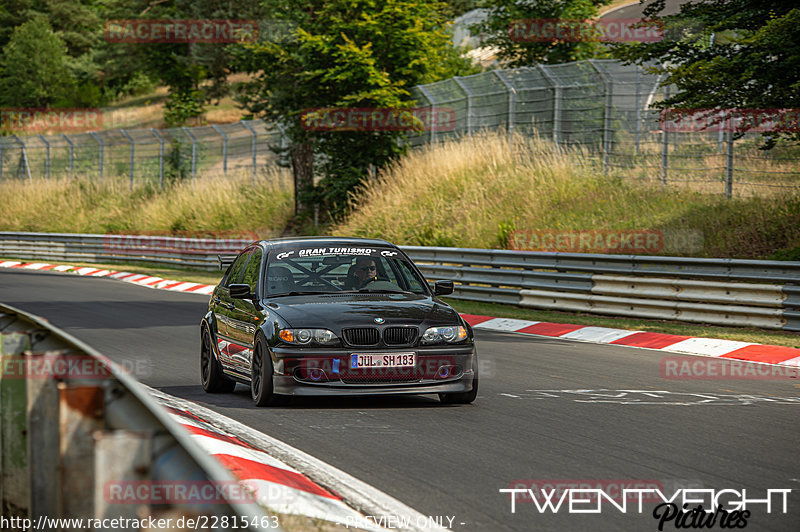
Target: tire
<point>463,398</point>
<point>261,375</point>
<point>211,376</point>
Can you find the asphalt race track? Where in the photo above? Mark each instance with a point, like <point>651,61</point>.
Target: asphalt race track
<point>452,460</point>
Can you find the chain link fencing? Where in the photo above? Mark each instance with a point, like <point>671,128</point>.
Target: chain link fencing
<point>599,106</point>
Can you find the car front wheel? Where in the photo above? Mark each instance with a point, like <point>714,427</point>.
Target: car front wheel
<point>261,375</point>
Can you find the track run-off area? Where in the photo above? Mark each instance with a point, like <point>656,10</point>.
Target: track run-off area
<point>549,411</point>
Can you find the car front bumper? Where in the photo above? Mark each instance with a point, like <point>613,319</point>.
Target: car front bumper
<point>293,372</point>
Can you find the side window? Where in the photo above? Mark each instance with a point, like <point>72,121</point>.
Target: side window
<point>251,272</point>
<point>237,268</point>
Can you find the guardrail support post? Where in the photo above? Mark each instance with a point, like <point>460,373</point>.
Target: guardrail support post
<point>14,485</point>
<point>46,156</point>
<point>130,169</point>
<point>71,153</point>
<point>43,447</point>
<point>80,415</point>
<point>160,157</point>
<point>254,147</point>
<point>224,148</point>
<point>191,136</point>
<point>100,151</point>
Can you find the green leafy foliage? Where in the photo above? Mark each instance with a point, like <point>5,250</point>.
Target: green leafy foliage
<point>344,53</point>
<point>724,54</point>
<point>42,82</point>
<point>516,52</point>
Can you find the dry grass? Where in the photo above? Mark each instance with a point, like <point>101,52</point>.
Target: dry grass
<point>474,191</point>
<point>208,205</point>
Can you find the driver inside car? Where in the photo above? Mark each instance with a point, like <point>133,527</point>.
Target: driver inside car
<point>365,272</point>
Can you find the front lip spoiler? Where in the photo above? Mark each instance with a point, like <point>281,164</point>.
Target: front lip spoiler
<point>287,385</point>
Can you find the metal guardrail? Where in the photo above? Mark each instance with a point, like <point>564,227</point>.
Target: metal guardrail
<point>703,290</point>
<point>700,290</point>
<point>74,428</point>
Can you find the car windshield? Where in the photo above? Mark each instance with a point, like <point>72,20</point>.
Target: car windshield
<point>325,270</point>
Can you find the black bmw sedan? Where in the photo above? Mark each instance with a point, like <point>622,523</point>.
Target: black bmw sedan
<point>333,316</point>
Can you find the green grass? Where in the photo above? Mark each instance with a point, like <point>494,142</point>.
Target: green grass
<point>477,191</point>
<point>208,206</point>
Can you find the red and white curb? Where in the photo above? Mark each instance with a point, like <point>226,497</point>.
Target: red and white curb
<point>271,469</point>
<point>134,278</point>
<point>686,345</point>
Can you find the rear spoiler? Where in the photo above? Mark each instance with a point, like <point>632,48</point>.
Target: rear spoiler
<point>225,261</point>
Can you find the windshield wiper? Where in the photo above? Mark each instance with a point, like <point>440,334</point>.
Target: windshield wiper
<point>386,291</point>
<point>300,293</point>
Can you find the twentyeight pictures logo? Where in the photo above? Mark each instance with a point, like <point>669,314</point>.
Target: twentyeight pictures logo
<point>180,31</point>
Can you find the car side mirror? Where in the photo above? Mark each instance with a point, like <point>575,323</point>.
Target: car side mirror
<point>240,291</point>
<point>443,288</point>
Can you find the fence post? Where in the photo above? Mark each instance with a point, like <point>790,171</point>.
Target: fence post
<point>130,169</point>
<point>254,147</point>
<point>729,157</point>
<point>194,150</point>
<point>638,108</point>
<point>224,149</point>
<point>664,145</point>
<point>608,89</point>
<point>468,93</point>
<point>46,156</point>
<point>24,158</point>
<point>1,159</point>
<point>71,152</point>
<point>511,100</point>
<point>160,157</point>
<point>425,92</point>
<point>100,150</point>
<point>556,104</point>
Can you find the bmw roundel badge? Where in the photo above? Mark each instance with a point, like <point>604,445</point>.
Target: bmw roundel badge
<point>379,320</point>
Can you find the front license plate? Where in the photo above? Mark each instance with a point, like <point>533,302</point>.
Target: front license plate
<point>383,360</point>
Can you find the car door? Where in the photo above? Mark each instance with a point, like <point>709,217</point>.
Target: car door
<point>244,317</point>
<point>224,307</point>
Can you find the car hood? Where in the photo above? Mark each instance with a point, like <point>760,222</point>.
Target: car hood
<point>335,311</point>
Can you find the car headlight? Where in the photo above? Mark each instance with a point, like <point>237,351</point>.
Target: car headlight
<point>451,335</point>
<point>308,337</point>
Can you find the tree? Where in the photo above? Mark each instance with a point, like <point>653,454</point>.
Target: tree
<point>343,53</point>
<point>517,50</point>
<point>40,82</point>
<point>727,54</point>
